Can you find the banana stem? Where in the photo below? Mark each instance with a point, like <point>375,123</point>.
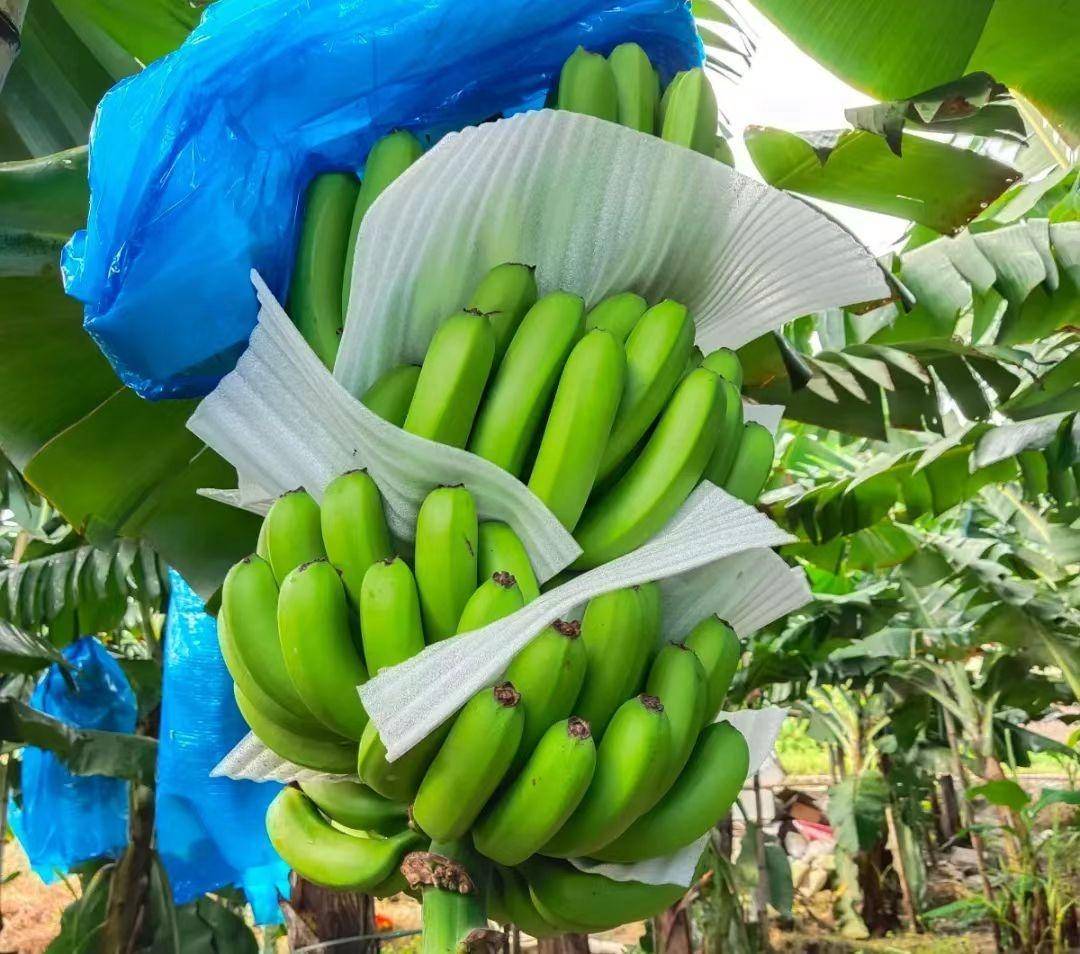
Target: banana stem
<point>451,877</point>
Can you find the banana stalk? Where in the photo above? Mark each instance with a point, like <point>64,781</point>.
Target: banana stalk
<point>451,878</point>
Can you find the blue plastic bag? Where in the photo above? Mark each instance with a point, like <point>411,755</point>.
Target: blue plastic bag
<point>67,819</point>
<point>197,164</point>
<point>211,832</point>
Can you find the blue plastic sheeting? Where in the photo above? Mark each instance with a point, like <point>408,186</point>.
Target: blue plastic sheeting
<point>210,831</point>
<point>68,819</point>
<point>197,164</point>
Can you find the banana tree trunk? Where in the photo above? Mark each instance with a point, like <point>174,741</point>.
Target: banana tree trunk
<point>317,915</point>
<point>564,944</point>
<point>12,15</point>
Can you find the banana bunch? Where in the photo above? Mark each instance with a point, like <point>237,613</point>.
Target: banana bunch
<point>609,415</point>
<point>625,88</point>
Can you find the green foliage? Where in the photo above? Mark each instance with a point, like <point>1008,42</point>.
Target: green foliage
<point>857,811</point>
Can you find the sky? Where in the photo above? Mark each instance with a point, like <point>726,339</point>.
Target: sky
<point>788,89</point>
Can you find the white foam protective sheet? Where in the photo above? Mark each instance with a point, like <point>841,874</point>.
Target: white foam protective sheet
<point>760,728</point>
<point>250,760</point>
<point>282,420</point>
<point>598,209</point>
<point>407,701</point>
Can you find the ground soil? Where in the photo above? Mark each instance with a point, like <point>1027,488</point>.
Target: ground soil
<point>29,908</point>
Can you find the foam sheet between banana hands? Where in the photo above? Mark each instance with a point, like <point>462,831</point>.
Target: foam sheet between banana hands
<point>283,422</point>
<point>598,208</point>
<point>711,535</point>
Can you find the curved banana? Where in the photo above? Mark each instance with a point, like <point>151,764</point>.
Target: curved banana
<point>390,625</point>
<point>617,647</point>
<point>321,853</point>
<point>691,116</point>
<point>657,352</point>
<point>653,614</point>
<point>505,295</point>
<point>539,800</point>
<point>248,624</point>
<point>647,496</point>
<point>726,363</point>
<point>356,806</point>
<point>501,550</point>
<point>354,529</point>
<point>293,533</point>
<point>470,764</point>
<point>387,159</point>
<point>582,902</point>
<point>717,647</point>
<point>677,679</point>
<point>629,764</point>
<point>731,428</point>
<point>391,395</point>
<point>587,85</point>
<point>314,302</point>
<point>578,426</point>
<point>261,550</point>
<point>397,780</point>
<point>515,404</point>
<point>509,902</point>
<point>705,791</point>
<point>321,659</point>
<point>452,379</point>
<point>617,314</point>
<point>637,86</point>
<point>753,463</point>
<point>335,756</point>
<point>445,558</point>
<point>492,600</point>
<point>548,673</point>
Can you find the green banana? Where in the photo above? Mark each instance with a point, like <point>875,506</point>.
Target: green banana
<point>539,800</point>
<point>617,648</point>
<point>313,625</point>
<point>652,613</point>
<point>704,792</point>
<point>356,806</point>
<point>617,314</point>
<point>691,114</point>
<point>391,395</point>
<point>723,152</point>
<point>397,780</point>
<point>657,352</point>
<point>335,756</point>
<point>315,291</point>
<point>587,903</point>
<point>390,625</point>
<point>637,85</point>
<point>578,425</point>
<point>505,295</point>
<point>261,550</point>
<point>587,85</point>
<point>445,558</point>
<point>387,159</point>
<point>500,550</point>
<point>669,467</point>
<point>695,359</point>
<point>753,463</point>
<point>514,408</point>
<point>509,902</point>
<point>249,599</point>
<point>303,724</point>
<point>548,673</point>
<point>452,379</point>
<point>354,529</point>
<point>726,363</point>
<point>470,764</point>
<point>321,853</point>
<point>677,679</point>
<point>731,428</point>
<point>629,764</point>
<point>293,533</point>
<point>717,647</point>
<point>492,600</point>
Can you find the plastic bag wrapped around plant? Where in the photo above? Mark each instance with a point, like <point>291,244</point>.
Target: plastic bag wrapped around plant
<point>196,163</point>
<point>67,819</point>
<point>210,831</point>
